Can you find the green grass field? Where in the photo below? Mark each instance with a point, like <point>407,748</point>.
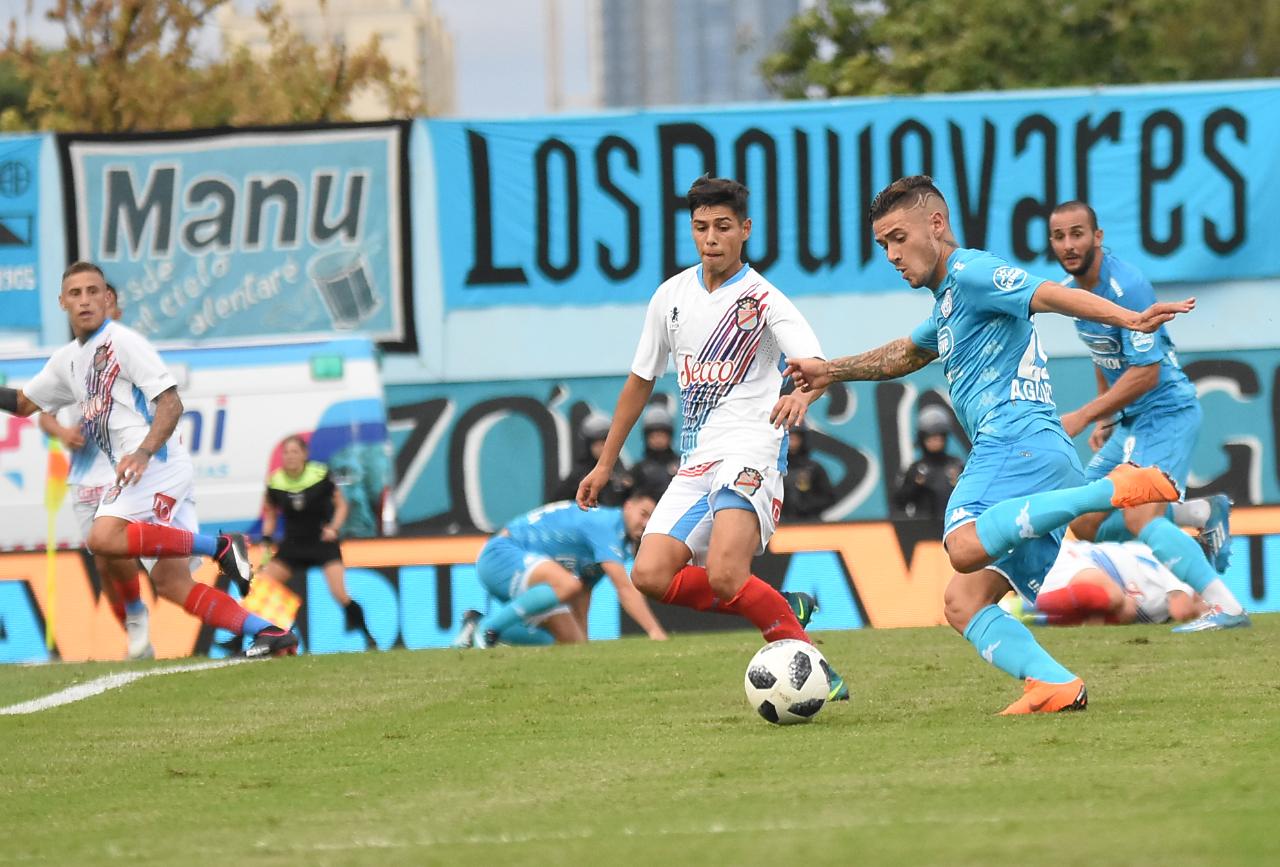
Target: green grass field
<point>632,752</point>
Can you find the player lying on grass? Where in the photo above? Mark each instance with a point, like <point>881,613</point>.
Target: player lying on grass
<point>541,569</point>
<point>726,327</point>
<point>130,408</point>
<point>1023,482</point>
<point>1116,582</point>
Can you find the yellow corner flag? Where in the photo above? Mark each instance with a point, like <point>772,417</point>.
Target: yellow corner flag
<point>55,491</point>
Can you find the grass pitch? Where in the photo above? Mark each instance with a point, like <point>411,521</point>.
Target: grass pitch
<point>633,752</point>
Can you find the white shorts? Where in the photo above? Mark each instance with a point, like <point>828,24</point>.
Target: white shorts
<point>686,510</point>
<point>84,505</point>
<point>163,496</point>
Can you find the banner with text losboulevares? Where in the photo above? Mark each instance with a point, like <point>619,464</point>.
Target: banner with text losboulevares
<point>590,210</point>
<point>246,234</point>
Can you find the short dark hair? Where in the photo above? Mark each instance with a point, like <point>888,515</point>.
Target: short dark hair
<point>643,490</point>
<point>1076,203</point>
<point>80,266</point>
<point>296,438</point>
<point>904,192</point>
<point>708,192</point>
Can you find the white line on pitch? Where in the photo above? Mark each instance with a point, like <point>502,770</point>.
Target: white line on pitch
<point>102,684</point>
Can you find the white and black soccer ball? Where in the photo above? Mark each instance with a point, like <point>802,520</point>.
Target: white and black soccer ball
<point>788,681</point>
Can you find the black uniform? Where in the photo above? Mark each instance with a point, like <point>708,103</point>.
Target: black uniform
<point>925,487</point>
<point>306,504</point>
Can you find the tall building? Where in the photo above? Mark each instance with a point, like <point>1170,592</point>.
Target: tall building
<point>681,52</point>
<point>412,33</point>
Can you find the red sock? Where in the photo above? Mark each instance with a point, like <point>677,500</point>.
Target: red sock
<point>153,540</point>
<point>767,610</point>
<point>117,608</point>
<point>1074,603</point>
<point>214,607</point>
<point>691,589</point>
<point>130,591</point>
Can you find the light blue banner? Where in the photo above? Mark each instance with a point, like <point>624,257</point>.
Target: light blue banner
<point>588,210</point>
<point>19,235</point>
<point>247,234</point>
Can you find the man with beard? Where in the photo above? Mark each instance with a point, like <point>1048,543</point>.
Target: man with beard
<point>1146,411</point>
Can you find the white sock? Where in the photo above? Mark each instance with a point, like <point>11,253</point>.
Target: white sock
<point>1216,593</point>
<point>1192,513</point>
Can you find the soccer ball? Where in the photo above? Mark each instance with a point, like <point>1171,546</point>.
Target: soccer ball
<point>788,681</point>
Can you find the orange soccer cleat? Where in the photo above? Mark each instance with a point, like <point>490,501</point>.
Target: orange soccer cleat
<point>1137,486</point>
<point>1041,697</point>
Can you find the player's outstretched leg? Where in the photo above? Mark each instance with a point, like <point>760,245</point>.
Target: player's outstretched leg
<point>1011,522</point>
<point>215,608</point>
<point>230,550</point>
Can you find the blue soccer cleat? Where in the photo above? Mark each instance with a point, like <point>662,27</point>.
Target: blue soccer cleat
<point>803,604</point>
<point>1215,538</point>
<point>1213,620</point>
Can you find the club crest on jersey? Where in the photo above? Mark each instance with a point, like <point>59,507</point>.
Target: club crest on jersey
<point>748,313</point>
<point>748,481</point>
<point>162,507</point>
<point>945,307</point>
<point>100,356</point>
<point>1007,278</point>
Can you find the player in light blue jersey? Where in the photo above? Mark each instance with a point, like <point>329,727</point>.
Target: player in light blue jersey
<point>1146,411</point>
<point>1022,483</point>
<point>542,566</point>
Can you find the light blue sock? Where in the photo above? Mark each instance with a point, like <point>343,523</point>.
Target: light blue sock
<point>1008,645</point>
<point>523,634</point>
<point>1009,523</point>
<point>535,600</point>
<point>1113,529</point>
<point>253,624</point>
<point>1179,553</point>
<point>204,544</point>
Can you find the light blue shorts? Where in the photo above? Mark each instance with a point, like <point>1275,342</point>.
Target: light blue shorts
<point>999,470</point>
<point>503,567</point>
<point>1164,438</point>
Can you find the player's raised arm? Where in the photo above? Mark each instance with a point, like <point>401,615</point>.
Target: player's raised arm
<point>168,411</point>
<point>1053,297</point>
<point>896,358</point>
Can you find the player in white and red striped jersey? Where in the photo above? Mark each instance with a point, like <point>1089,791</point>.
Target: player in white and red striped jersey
<point>727,329</point>
<point>129,408</point>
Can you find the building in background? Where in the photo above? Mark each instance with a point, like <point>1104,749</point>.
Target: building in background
<point>412,32</point>
<point>685,52</point>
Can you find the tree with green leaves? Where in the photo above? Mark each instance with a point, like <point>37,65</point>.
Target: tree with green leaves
<point>133,65</point>
<point>856,48</point>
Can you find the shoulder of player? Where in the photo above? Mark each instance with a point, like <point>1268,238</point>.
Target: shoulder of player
<point>677,282</point>
<point>1125,280</point>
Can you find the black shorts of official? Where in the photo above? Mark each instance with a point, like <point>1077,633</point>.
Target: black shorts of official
<point>304,556</point>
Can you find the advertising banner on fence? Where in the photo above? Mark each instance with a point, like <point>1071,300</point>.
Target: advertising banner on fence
<point>248,234</point>
<point>19,221</point>
<point>414,592</point>
<point>589,210</point>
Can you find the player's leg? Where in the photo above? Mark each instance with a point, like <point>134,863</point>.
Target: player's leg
<point>1035,463</point>
<point>121,574</point>
<point>335,576</point>
<point>562,626</point>
<point>528,585</point>
<point>114,537</point>
<point>1089,595</point>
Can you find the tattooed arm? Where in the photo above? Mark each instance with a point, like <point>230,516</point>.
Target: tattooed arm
<point>896,358</point>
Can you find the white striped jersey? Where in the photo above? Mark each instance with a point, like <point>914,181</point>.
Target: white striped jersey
<point>727,346</point>
<point>114,376</point>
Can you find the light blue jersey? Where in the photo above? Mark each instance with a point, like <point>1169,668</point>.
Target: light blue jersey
<point>575,539</point>
<point>981,329</point>
<point>1115,349</point>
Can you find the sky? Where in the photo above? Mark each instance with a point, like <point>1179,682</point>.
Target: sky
<point>500,71</point>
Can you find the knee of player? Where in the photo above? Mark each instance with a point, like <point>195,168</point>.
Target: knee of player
<point>966,554</point>
<point>102,541</point>
<point>725,581</point>
<point>958,606</point>
<point>649,579</point>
